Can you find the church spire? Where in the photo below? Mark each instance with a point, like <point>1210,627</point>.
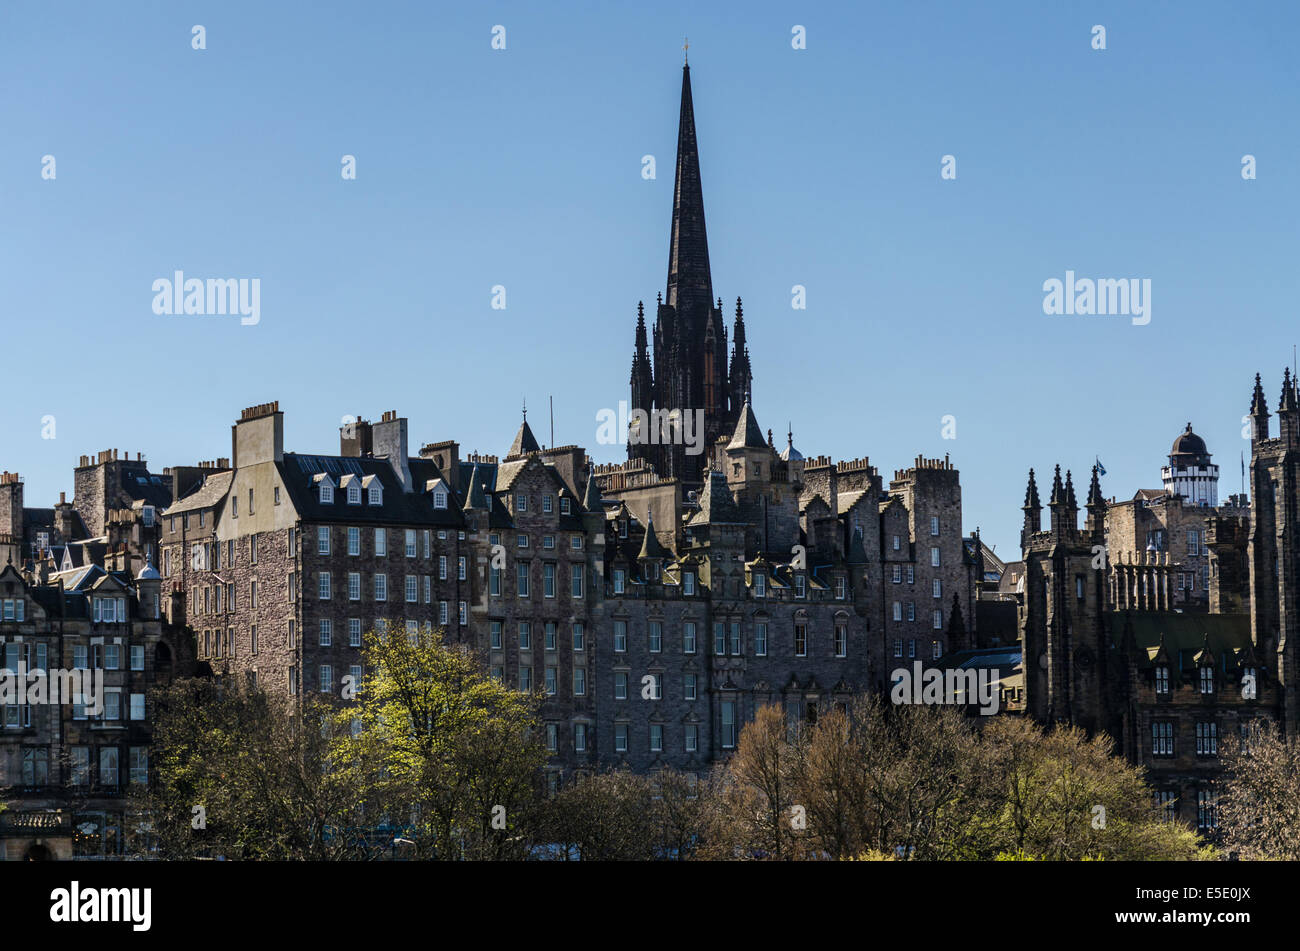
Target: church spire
<point>690,285</point>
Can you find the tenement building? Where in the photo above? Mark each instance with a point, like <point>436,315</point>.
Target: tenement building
<point>1108,645</point>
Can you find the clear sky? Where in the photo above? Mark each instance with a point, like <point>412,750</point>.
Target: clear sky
<point>522,167</point>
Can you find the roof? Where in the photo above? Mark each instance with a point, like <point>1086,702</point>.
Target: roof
<point>524,442</point>
<point>1184,634</point>
<point>1188,444</point>
<point>297,471</point>
<point>747,434</point>
<point>210,492</point>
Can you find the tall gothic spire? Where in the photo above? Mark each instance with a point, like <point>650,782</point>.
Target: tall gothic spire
<point>690,285</point>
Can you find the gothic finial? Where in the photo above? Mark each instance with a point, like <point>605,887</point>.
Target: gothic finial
<point>525,410</point>
<point>686,51</point>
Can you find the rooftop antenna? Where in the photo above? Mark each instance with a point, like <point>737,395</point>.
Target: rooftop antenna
<point>552,422</point>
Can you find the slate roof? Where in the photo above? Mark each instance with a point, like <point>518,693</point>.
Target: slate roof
<point>1184,634</point>
<point>399,507</point>
<point>210,491</point>
<point>747,434</point>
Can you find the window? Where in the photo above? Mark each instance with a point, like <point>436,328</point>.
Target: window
<point>1207,739</point>
<point>1207,680</point>
<point>136,709</point>
<point>252,594</point>
<point>495,633</point>
<point>579,636</point>
<point>293,681</point>
<point>494,581</point>
<point>137,657</point>
<point>326,632</point>
<point>760,585</point>
<point>292,635</point>
<point>911,648</point>
<point>440,498</point>
<point>425,539</point>
<point>620,737</point>
<point>841,588</point>
<point>575,580</point>
<point>1162,739</point>
<point>735,644</point>
<point>937,623</point>
<point>376,494</point>
<point>525,679</point>
<point>728,724</point>
<point>108,766</point>
<point>410,543</point>
<point>354,632</point>
<point>291,584</point>
<point>324,585</point>
<point>521,502</point>
<point>442,613</point>
<point>897,543</point>
<point>354,540</point>
<point>252,548</point>
<point>565,508</point>
<point>898,610</point>
<point>412,589</point>
<point>552,680</point>
<point>760,639</point>
<point>548,580</point>
<point>656,737</point>
<point>620,636</point>
<point>934,525</point>
<point>692,737</point>
<point>549,639</point>
<point>354,586</point>
<point>911,574</point>
<point>688,582</point>
<point>841,640</point>
<point>1193,542</point>
<point>138,764</point>
<point>354,493</point>
<point>381,542</point>
<point>525,636</point>
<point>688,637</point>
<point>580,737</point>
<point>618,580</point>
<point>462,568</point>
<point>326,678</point>
<point>934,557</point>
<point>620,685</point>
<point>719,638</point>
<point>1167,799</point>
<point>898,574</point>
<point>252,638</point>
<point>800,586</point>
<point>462,613</point>
<point>323,540</point>
<point>80,766</point>
<point>521,541</point>
<point>656,634</point>
<point>277,495</point>
<point>580,681</point>
<point>936,649</point>
<point>937,587</point>
<point>1207,810</point>
<point>522,579</point>
<point>898,647</point>
<point>575,542</point>
<point>548,541</point>
<point>688,687</point>
<point>656,686</point>
<point>1162,679</point>
<point>552,737</point>
<point>381,587</point>
<point>911,611</point>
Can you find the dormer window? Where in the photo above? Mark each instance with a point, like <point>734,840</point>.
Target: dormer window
<point>651,571</point>
<point>622,528</point>
<point>326,494</point>
<point>440,499</point>
<point>688,582</point>
<point>565,507</point>
<point>376,494</point>
<point>1207,680</point>
<point>354,494</point>
<point>760,585</point>
<point>800,586</point>
<point>1162,680</point>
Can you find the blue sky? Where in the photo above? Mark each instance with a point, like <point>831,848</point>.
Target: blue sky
<point>522,168</point>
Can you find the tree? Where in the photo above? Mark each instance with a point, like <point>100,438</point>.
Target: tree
<point>453,755</point>
<point>610,817</point>
<point>1259,808</point>
<point>237,775</point>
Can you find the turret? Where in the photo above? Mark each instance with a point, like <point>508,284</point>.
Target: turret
<point>1288,413</point>
<point>1258,413</point>
<point>1033,510</point>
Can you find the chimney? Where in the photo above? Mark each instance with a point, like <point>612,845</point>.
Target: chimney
<point>259,435</point>
<point>355,438</point>
<point>389,436</point>
<point>11,505</point>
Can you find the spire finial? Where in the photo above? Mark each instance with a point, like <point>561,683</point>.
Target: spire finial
<point>686,51</point>
<point>525,410</point>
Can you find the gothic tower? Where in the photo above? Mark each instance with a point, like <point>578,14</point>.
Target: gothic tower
<point>688,377</point>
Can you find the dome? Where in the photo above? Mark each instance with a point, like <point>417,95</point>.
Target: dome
<point>148,572</point>
<point>1189,444</point>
